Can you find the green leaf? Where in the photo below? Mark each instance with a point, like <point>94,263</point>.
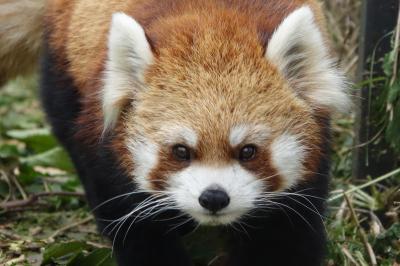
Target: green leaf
<point>99,257</point>
<point>39,139</point>
<point>55,157</point>
<point>394,92</point>
<point>75,260</point>
<point>27,175</point>
<point>387,243</point>
<point>387,65</point>
<point>71,184</point>
<point>63,252</point>
<point>8,151</point>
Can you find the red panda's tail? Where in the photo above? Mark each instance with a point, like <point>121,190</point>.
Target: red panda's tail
<point>20,36</point>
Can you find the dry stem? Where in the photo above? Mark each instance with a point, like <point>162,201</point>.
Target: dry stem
<point>363,235</point>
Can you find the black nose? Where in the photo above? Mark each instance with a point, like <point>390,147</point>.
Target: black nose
<point>214,199</point>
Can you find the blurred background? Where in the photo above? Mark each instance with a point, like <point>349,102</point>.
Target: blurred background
<point>44,219</point>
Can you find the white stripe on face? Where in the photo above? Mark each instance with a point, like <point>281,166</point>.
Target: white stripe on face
<point>145,157</point>
<point>287,156</point>
<point>238,134</point>
<point>241,186</point>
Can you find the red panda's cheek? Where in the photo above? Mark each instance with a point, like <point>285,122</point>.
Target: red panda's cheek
<point>263,168</point>
<point>145,156</point>
<point>280,165</point>
<point>166,167</point>
<point>287,157</point>
<point>152,165</point>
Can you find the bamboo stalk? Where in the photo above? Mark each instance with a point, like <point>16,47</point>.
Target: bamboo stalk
<point>370,183</point>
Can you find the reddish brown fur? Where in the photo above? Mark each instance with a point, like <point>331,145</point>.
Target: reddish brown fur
<point>79,28</point>
<point>212,56</point>
<point>166,166</point>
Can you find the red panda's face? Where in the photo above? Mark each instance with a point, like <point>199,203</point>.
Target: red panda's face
<point>217,123</point>
<point>216,140</point>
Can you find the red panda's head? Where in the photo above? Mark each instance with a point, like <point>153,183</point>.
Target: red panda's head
<point>215,121</point>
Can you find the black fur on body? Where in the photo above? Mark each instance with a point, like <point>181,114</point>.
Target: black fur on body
<point>279,237</point>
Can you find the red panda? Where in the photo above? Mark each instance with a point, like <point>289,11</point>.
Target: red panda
<point>184,112</point>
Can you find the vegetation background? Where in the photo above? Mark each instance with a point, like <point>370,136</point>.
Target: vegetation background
<point>44,219</point>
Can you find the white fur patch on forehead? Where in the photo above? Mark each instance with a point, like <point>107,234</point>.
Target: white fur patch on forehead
<point>256,134</point>
<point>242,187</point>
<point>145,158</point>
<point>297,48</point>
<point>287,156</point>
<point>182,134</point>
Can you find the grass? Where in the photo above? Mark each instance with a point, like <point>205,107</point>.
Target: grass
<point>32,164</point>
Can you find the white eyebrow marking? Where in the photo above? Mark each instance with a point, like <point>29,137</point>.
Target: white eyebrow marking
<point>257,134</point>
<point>238,133</point>
<point>179,133</point>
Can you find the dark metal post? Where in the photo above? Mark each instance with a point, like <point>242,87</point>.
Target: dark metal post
<point>378,19</point>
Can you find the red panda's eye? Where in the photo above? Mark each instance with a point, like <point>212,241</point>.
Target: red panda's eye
<point>181,152</point>
<point>247,153</point>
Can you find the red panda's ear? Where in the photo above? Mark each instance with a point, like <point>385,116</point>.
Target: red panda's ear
<point>297,48</point>
<point>129,54</point>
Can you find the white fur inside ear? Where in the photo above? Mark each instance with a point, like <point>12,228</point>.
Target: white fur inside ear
<point>298,50</point>
<point>129,54</point>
